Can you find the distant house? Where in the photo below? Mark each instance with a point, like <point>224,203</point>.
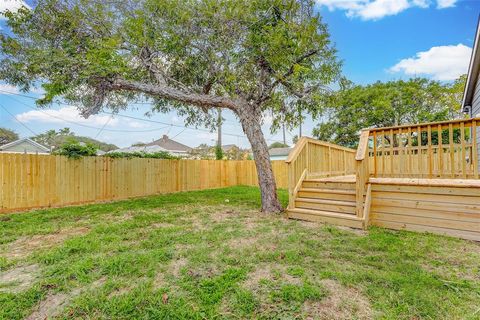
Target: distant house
<point>171,146</point>
<point>24,146</point>
<point>279,153</point>
<point>471,97</point>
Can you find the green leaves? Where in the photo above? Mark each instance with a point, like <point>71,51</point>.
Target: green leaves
<point>74,149</point>
<point>7,135</point>
<point>355,107</point>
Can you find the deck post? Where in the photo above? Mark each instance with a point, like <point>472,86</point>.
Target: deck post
<point>362,172</point>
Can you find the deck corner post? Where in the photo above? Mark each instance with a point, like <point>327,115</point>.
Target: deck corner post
<point>362,172</point>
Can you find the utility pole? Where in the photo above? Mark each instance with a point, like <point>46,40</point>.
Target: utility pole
<point>218,148</point>
<point>300,126</point>
<point>219,131</point>
<point>284,139</point>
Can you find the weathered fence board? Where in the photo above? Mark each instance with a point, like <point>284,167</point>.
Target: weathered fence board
<point>33,181</point>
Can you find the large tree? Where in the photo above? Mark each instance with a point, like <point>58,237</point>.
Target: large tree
<point>382,104</point>
<point>7,135</point>
<point>195,56</point>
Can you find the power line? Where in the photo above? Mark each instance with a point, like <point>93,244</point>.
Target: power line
<point>85,125</point>
<point>179,133</point>
<point>124,116</point>
<point>20,122</point>
<point>103,127</point>
<point>180,126</point>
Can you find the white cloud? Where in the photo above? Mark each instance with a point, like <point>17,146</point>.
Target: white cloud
<point>12,5</point>
<point>377,9</point>
<point>8,89</point>
<point>207,137</point>
<point>381,8</point>
<point>67,115</point>
<point>441,63</point>
<point>442,4</point>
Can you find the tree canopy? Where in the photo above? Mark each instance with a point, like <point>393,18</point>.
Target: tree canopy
<point>248,56</point>
<point>58,138</point>
<point>382,104</point>
<point>278,145</point>
<point>7,135</point>
<point>206,53</point>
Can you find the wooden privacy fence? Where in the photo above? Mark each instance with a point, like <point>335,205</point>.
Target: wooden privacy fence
<point>430,150</point>
<point>33,181</point>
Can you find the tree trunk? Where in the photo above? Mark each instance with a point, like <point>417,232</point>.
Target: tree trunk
<point>268,189</point>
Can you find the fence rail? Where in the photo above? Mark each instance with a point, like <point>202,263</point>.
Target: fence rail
<point>33,181</point>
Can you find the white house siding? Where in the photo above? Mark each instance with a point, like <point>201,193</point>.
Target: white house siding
<point>23,147</point>
<point>279,157</point>
<point>476,113</point>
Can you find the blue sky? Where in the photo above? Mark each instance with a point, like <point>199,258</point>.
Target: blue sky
<point>376,39</point>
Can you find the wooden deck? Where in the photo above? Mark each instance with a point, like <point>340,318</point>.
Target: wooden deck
<point>394,179</point>
<point>443,206</point>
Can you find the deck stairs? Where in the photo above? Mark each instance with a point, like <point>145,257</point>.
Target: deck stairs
<point>330,200</point>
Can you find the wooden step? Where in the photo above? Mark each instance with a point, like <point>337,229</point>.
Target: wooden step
<point>328,194</point>
<point>328,184</point>
<point>341,219</point>
<point>326,205</point>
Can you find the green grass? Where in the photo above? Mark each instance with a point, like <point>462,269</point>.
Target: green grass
<point>210,254</point>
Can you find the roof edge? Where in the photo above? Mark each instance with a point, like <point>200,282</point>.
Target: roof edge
<point>14,143</point>
<point>473,70</point>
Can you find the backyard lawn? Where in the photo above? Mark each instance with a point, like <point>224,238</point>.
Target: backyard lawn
<point>211,254</point>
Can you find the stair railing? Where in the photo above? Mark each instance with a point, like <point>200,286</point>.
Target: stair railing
<point>362,172</point>
<point>314,158</point>
<point>297,168</point>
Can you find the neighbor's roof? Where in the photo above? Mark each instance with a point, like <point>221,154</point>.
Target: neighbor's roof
<point>228,147</point>
<point>146,149</point>
<point>30,141</point>
<point>170,145</point>
<point>473,71</point>
<point>279,151</point>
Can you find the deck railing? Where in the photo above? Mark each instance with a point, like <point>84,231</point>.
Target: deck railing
<point>445,149</point>
<point>313,158</point>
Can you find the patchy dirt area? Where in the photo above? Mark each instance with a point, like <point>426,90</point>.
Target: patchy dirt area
<point>53,304</point>
<point>341,303</point>
<point>120,291</point>
<point>269,272</point>
<point>159,280</point>
<point>19,278</point>
<point>176,266</point>
<point>240,243</point>
<point>25,246</point>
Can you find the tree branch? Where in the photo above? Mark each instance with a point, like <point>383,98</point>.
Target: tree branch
<point>281,80</point>
<point>146,58</point>
<point>167,92</point>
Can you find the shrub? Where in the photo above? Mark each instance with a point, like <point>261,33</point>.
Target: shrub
<point>74,149</point>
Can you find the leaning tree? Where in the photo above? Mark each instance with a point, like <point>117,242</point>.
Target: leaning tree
<point>252,57</point>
